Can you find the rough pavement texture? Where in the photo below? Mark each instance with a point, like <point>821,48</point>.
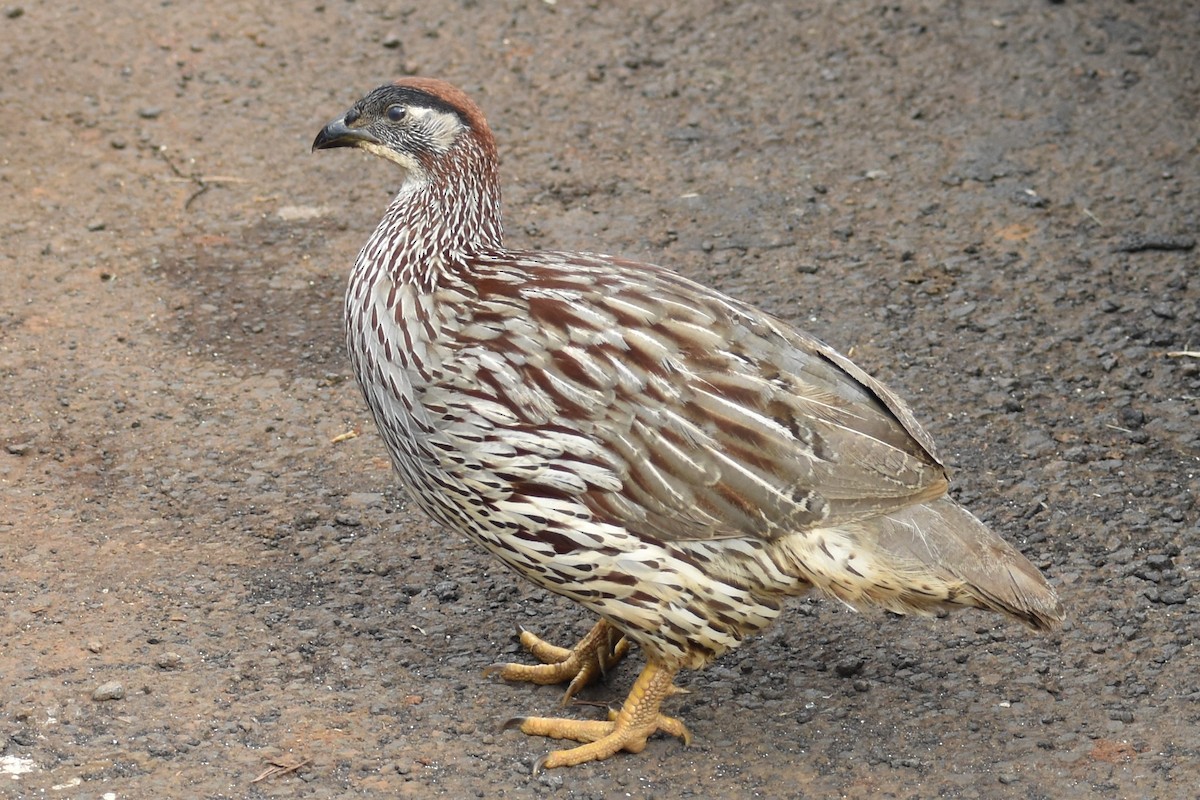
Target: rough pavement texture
<point>993,206</point>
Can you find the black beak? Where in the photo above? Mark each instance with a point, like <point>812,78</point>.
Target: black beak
<point>338,134</point>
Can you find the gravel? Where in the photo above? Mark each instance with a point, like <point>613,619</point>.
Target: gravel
<point>991,207</point>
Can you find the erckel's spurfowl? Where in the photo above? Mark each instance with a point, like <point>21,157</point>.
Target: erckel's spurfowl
<point>675,460</point>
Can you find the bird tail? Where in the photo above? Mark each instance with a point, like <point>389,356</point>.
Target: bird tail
<point>923,558</point>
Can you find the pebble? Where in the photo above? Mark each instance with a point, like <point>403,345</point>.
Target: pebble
<point>1163,310</point>
<point>113,690</point>
<point>1172,597</point>
<point>168,660</point>
<point>552,780</point>
<point>1030,198</point>
<point>23,739</point>
<point>1137,243</point>
<point>307,520</point>
<point>849,667</point>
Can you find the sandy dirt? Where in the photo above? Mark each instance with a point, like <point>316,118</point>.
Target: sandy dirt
<point>209,591</point>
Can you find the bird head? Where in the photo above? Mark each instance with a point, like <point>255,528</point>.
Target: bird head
<point>450,196</point>
<point>421,124</point>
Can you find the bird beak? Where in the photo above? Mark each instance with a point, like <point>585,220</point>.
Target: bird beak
<point>338,134</point>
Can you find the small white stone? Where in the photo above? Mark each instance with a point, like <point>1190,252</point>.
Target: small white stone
<point>112,690</point>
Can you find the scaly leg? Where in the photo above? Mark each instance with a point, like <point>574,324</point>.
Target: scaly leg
<point>595,655</point>
<point>628,729</point>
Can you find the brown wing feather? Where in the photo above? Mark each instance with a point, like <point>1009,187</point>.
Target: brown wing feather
<point>727,423</point>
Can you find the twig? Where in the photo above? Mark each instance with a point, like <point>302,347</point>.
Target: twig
<point>279,767</point>
<point>202,181</point>
<point>1183,354</point>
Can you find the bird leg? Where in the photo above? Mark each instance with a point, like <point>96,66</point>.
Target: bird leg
<point>627,729</point>
<point>597,653</point>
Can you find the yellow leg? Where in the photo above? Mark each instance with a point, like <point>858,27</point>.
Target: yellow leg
<point>594,656</point>
<point>628,729</point>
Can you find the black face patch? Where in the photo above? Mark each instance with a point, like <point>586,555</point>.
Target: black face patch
<point>380,100</point>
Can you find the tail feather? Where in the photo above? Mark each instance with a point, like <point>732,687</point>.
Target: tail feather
<point>923,558</point>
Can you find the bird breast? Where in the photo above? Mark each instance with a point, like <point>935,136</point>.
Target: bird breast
<point>638,397</point>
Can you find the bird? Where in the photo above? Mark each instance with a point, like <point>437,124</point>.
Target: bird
<point>677,461</point>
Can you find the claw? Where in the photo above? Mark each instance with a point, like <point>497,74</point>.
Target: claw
<point>597,653</point>
<point>627,729</point>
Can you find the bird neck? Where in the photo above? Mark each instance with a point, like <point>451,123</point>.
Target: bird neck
<point>441,215</point>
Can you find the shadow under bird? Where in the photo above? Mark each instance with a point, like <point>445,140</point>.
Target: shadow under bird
<point>674,459</point>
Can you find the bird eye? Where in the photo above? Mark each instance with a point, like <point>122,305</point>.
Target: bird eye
<point>395,113</point>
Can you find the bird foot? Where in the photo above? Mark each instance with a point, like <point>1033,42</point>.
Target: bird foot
<point>597,653</point>
<point>627,729</point>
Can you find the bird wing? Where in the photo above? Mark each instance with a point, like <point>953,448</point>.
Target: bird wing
<point>669,408</point>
